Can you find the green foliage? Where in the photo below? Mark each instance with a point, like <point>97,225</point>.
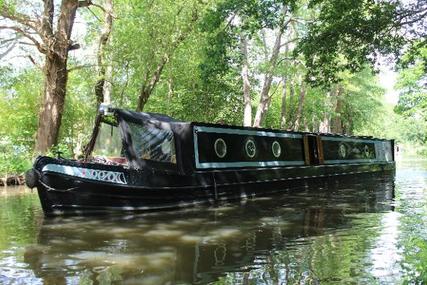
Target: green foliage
<point>362,100</point>
<point>80,112</point>
<point>412,103</point>
<point>160,27</point>
<point>60,150</point>
<point>169,28</point>
<point>227,22</point>
<point>413,90</point>
<point>14,159</point>
<point>360,97</point>
<point>19,98</point>
<point>347,34</point>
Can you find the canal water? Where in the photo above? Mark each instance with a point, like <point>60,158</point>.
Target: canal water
<point>357,230</point>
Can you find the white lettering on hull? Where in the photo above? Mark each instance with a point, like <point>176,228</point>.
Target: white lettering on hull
<point>87,173</point>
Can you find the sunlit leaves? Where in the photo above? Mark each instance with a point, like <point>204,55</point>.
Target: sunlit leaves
<point>19,98</point>
<point>354,30</point>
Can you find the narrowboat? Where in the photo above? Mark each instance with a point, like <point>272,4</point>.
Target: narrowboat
<point>147,161</point>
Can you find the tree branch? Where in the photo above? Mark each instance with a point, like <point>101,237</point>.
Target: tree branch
<point>17,17</point>
<point>66,20</point>
<point>73,46</point>
<point>300,21</point>
<point>99,6</point>
<point>5,41</point>
<point>26,43</point>
<point>290,41</point>
<point>38,45</point>
<point>85,3</point>
<point>93,14</point>
<point>408,13</point>
<point>9,49</point>
<point>34,62</point>
<point>47,18</point>
<point>81,67</point>
<point>412,21</point>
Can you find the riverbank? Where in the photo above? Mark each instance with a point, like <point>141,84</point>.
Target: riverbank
<point>12,180</point>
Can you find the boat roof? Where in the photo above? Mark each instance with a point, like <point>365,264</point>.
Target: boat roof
<point>144,116</point>
<point>165,121</point>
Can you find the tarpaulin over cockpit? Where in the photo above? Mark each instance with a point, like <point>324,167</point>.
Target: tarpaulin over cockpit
<point>151,139</point>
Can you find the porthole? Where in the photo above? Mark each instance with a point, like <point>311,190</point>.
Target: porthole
<point>276,149</point>
<point>342,151</point>
<point>250,148</point>
<point>220,148</point>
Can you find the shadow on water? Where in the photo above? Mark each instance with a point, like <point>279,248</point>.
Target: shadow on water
<point>320,233</point>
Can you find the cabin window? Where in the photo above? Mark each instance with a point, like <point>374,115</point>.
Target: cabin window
<point>108,142</point>
<point>220,148</point>
<point>250,148</point>
<point>152,143</point>
<point>342,150</point>
<point>276,149</point>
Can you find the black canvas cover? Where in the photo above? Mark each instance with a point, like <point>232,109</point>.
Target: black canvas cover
<point>155,140</point>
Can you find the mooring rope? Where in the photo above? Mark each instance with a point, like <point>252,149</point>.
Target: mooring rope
<point>57,190</point>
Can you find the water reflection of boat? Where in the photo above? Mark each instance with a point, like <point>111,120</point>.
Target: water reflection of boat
<point>277,239</point>
<point>141,161</point>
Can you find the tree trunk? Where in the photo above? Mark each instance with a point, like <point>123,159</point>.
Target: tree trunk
<point>306,128</point>
<point>50,117</point>
<point>103,85</point>
<point>300,107</point>
<point>315,124</point>
<point>148,87</point>
<point>324,126</point>
<point>284,94</point>
<point>247,115</point>
<point>291,105</point>
<point>350,127</point>
<point>144,94</point>
<point>146,90</point>
<point>56,75</point>
<point>283,107</point>
<point>170,89</point>
<point>337,124</point>
<point>268,78</point>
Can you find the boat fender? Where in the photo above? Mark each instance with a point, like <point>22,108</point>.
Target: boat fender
<point>32,177</point>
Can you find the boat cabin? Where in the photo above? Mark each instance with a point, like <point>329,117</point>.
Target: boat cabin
<point>154,141</point>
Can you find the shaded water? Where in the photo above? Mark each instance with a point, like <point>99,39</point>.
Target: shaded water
<point>358,230</point>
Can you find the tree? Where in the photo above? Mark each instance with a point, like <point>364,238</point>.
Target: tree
<point>162,27</point>
<point>265,97</point>
<point>412,86</point>
<point>103,87</point>
<point>247,115</point>
<point>346,34</point>
<point>349,107</point>
<point>53,40</point>
<point>238,31</point>
<point>19,98</point>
